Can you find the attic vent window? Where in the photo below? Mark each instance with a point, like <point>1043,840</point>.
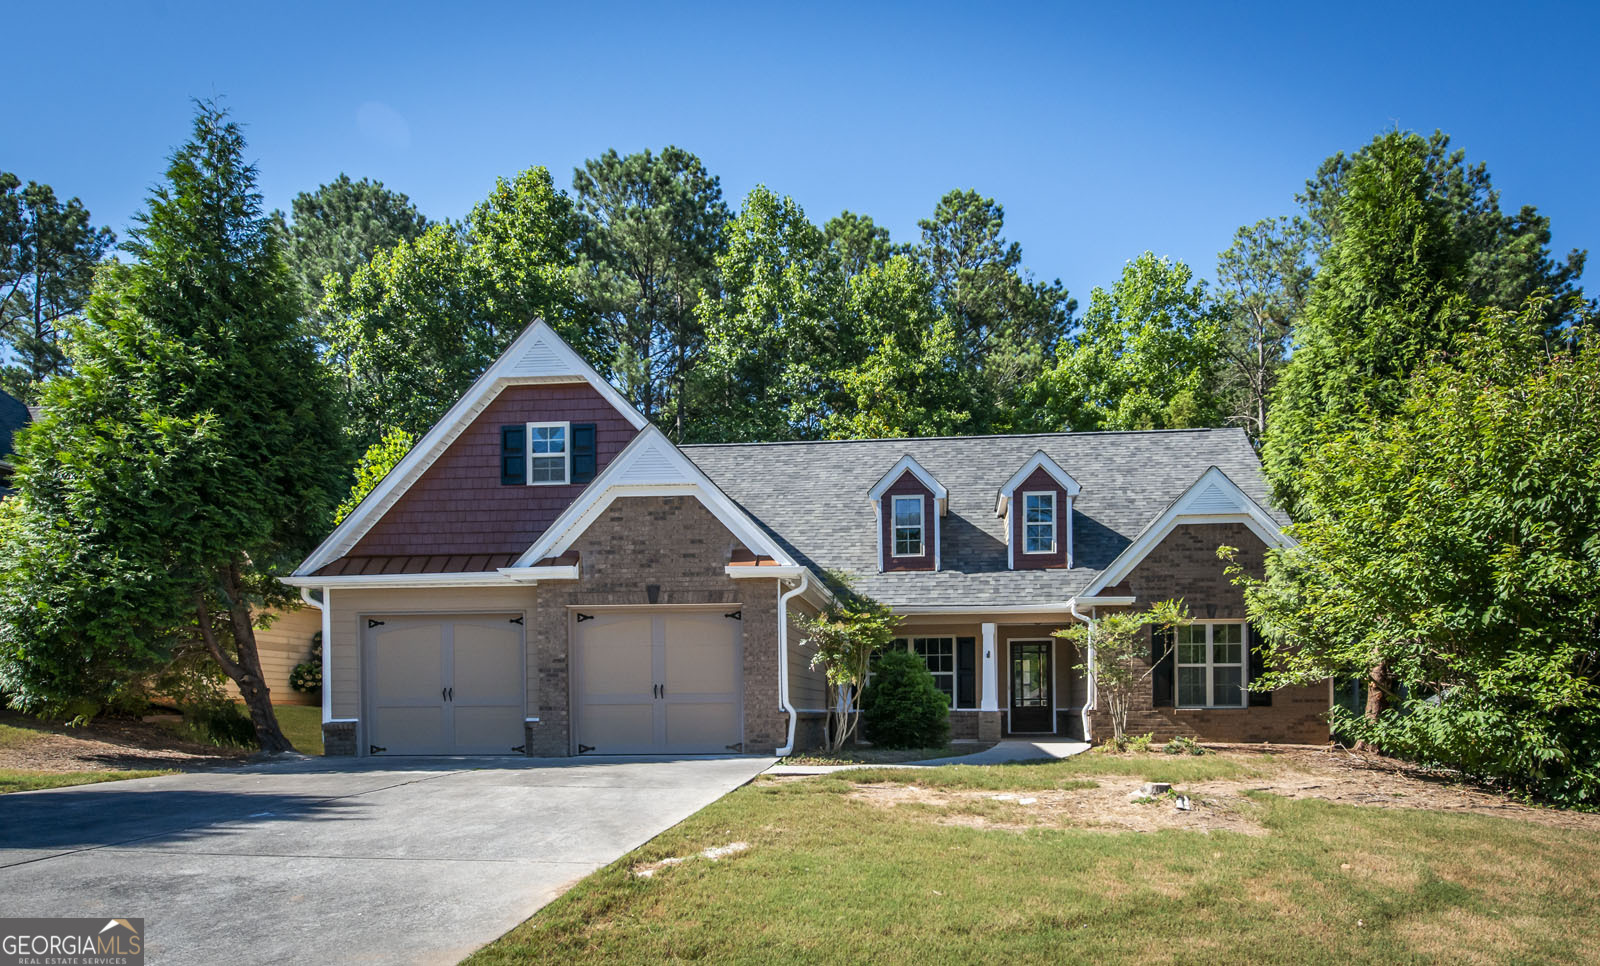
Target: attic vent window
<point>547,453</point>
<point>908,526</point>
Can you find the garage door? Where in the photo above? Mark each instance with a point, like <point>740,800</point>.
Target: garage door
<point>444,685</point>
<point>650,683</point>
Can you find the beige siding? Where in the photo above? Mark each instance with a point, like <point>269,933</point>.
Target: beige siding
<point>283,645</point>
<point>808,686</point>
<point>352,607</point>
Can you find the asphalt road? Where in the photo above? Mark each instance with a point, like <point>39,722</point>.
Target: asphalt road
<point>388,860</point>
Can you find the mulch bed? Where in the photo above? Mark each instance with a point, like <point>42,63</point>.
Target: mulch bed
<point>109,744</point>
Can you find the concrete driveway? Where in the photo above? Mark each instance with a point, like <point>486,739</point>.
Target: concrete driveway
<point>329,861</point>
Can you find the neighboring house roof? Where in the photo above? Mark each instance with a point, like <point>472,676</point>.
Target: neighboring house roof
<point>814,499</point>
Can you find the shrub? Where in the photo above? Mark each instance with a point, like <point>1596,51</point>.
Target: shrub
<point>1141,742</point>
<point>221,723</point>
<point>1183,745</point>
<point>903,707</point>
<point>307,676</point>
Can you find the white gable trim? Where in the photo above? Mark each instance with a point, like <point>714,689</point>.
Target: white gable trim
<point>1037,461</point>
<point>536,356</point>
<point>649,466</point>
<point>1213,498</point>
<point>907,463</point>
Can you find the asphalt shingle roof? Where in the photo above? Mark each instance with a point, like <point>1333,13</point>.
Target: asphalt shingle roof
<point>812,497</point>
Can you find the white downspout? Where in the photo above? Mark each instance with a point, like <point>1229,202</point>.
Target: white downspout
<point>783,659</point>
<point>1091,700</point>
<point>327,633</point>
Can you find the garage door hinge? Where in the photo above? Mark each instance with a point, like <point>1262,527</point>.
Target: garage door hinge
<point>584,748</point>
<point>585,617</point>
<point>520,749</point>
<point>373,623</point>
<point>374,749</point>
<point>737,615</point>
<point>516,620</point>
<point>737,746</point>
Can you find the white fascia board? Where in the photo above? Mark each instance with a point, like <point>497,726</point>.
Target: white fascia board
<point>535,575</point>
<point>484,578</point>
<point>908,463</point>
<point>650,465</point>
<point>1103,601</point>
<point>1036,461</point>
<point>536,356</point>
<point>1200,503</point>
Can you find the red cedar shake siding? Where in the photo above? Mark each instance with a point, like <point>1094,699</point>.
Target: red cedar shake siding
<point>460,507</point>
<point>908,485</point>
<point>1038,482</point>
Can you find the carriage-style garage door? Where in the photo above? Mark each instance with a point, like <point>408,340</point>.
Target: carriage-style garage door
<point>444,685</point>
<point>658,682</point>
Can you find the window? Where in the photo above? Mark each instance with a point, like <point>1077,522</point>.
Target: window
<point>908,526</point>
<point>547,453</point>
<point>940,655</point>
<point>1038,523</point>
<point>1210,662</point>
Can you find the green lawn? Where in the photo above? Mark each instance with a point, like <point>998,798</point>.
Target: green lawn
<point>828,877</point>
<point>13,737</point>
<point>27,779</point>
<point>302,725</point>
<point>886,756</point>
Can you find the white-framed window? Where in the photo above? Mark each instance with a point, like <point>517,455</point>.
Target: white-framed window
<point>549,453</point>
<point>908,526</point>
<point>1210,663</point>
<point>940,655</point>
<point>1039,522</point>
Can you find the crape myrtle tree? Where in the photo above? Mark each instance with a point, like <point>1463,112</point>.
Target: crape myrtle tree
<point>1117,656</point>
<point>191,454</point>
<point>844,638</point>
<point>1451,551</point>
<point>49,250</point>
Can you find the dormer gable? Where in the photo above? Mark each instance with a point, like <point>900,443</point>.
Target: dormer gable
<point>908,503</point>
<point>1036,504</point>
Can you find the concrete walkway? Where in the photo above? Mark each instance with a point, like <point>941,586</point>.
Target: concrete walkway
<point>326,860</point>
<point>1011,750</point>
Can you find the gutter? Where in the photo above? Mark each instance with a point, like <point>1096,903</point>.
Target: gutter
<point>783,656</point>
<point>1091,700</point>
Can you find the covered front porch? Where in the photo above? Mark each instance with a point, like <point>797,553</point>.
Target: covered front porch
<point>1006,675</point>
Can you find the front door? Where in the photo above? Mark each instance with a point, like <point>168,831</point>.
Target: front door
<point>1032,704</point>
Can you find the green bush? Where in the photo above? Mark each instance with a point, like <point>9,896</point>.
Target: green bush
<point>1141,742</point>
<point>221,723</point>
<point>307,675</point>
<point>1183,745</point>
<point>902,707</point>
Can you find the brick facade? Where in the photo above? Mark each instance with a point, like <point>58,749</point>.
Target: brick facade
<point>339,738</point>
<point>459,506</point>
<point>675,546</point>
<point>1185,565</point>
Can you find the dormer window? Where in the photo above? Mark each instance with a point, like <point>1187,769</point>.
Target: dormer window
<point>908,527</point>
<point>1039,522</point>
<point>548,453</point>
<point>1036,505</point>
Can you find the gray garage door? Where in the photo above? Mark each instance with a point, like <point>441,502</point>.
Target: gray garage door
<point>658,682</point>
<point>445,685</point>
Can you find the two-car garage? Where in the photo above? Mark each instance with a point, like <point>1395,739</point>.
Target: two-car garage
<point>657,681</point>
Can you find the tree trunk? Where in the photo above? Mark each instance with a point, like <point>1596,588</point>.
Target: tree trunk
<point>246,671</point>
<point>1379,683</point>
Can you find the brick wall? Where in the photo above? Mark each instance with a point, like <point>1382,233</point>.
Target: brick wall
<point>1185,565</point>
<point>677,546</point>
<point>459,506</point>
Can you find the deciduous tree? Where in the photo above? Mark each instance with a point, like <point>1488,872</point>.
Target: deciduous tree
<point>1263,280</point>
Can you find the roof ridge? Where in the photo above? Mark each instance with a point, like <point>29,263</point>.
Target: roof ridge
<point>931,439</point>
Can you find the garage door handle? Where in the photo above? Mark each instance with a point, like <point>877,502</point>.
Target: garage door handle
<point>452,693</point>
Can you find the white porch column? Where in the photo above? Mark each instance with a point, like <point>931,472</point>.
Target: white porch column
<point>991,676</point>
<point>327,655</point>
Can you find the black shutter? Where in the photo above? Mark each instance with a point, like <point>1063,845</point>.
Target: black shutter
<point>1161,659</point>
<point>1258,699</point>
<point>513,455</point>
<point>966,672</point>
<point>583,452</point>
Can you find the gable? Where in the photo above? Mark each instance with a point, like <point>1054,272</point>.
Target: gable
<point>459,506</point>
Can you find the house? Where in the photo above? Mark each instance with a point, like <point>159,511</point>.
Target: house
<point>545,573</point>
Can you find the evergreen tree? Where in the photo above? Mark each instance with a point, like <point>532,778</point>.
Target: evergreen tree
<point>191,455</point>
<point>48,254</point>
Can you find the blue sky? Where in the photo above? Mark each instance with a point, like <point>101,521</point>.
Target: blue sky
<point>1105,129</point>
